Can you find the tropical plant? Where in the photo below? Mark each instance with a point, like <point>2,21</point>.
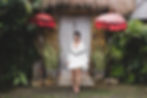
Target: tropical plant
<point>20,79</point>
<point>17,48</point>
<point>98,59</point>
<point>128,54</point>
<point>50,57</point>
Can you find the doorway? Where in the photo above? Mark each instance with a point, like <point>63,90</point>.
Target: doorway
<point>67,26</point>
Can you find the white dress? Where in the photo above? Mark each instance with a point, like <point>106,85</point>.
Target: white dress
<point>77,57</point>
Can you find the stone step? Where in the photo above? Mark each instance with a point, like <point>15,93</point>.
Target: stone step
<point>65,79</point>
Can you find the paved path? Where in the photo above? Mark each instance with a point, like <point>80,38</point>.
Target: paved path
<point>102,91</point>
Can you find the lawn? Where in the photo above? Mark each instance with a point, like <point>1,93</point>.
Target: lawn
<point>103,91</point>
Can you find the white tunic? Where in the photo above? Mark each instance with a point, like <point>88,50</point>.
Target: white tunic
<point>77,57</point>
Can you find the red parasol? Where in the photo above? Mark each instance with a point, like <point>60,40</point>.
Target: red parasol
<point>112,22</point>
<point>44,20</point>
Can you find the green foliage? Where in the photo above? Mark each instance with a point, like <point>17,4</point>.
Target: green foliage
<point>50,57</point>
<point>131,78</point>
<point>128,54</point>
<point>116,53</point>
<point>36,4</point>
<point>118,71</point>
<point>20,79</point>
<point>17,48</point>
<point>98,58</point>
<point>137,28</point>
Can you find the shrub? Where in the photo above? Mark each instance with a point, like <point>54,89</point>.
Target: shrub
<point>17,52</point>
<point>128,54</point>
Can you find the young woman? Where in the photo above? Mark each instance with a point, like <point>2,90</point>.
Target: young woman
<point>77,60</point>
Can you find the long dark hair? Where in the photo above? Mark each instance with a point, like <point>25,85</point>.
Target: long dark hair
<point>77,33</point>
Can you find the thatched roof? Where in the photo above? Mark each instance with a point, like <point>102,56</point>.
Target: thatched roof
<point>121,6</point>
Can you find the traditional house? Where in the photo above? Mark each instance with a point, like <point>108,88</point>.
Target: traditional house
<point>79,15</point>
<point>141,8</point>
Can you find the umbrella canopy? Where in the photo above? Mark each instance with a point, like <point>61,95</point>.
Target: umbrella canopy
<point>44,20</point>
<point>112,22</point>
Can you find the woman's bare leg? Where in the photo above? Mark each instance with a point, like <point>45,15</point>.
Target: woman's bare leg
<point>73,79</point>
<point>76,78</point>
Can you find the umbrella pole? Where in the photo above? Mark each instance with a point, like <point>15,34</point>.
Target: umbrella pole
<point>40,41</point>
<point>108,37</point>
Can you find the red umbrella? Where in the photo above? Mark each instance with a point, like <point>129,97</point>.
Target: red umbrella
<point>44,20</point>
<point>112,22</point>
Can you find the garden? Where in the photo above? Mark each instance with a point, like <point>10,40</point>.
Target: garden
<point>125,56</point>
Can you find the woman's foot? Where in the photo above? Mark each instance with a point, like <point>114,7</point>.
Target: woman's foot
<point>76,90</point>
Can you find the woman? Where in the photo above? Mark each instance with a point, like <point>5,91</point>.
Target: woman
<point>77,60</point>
